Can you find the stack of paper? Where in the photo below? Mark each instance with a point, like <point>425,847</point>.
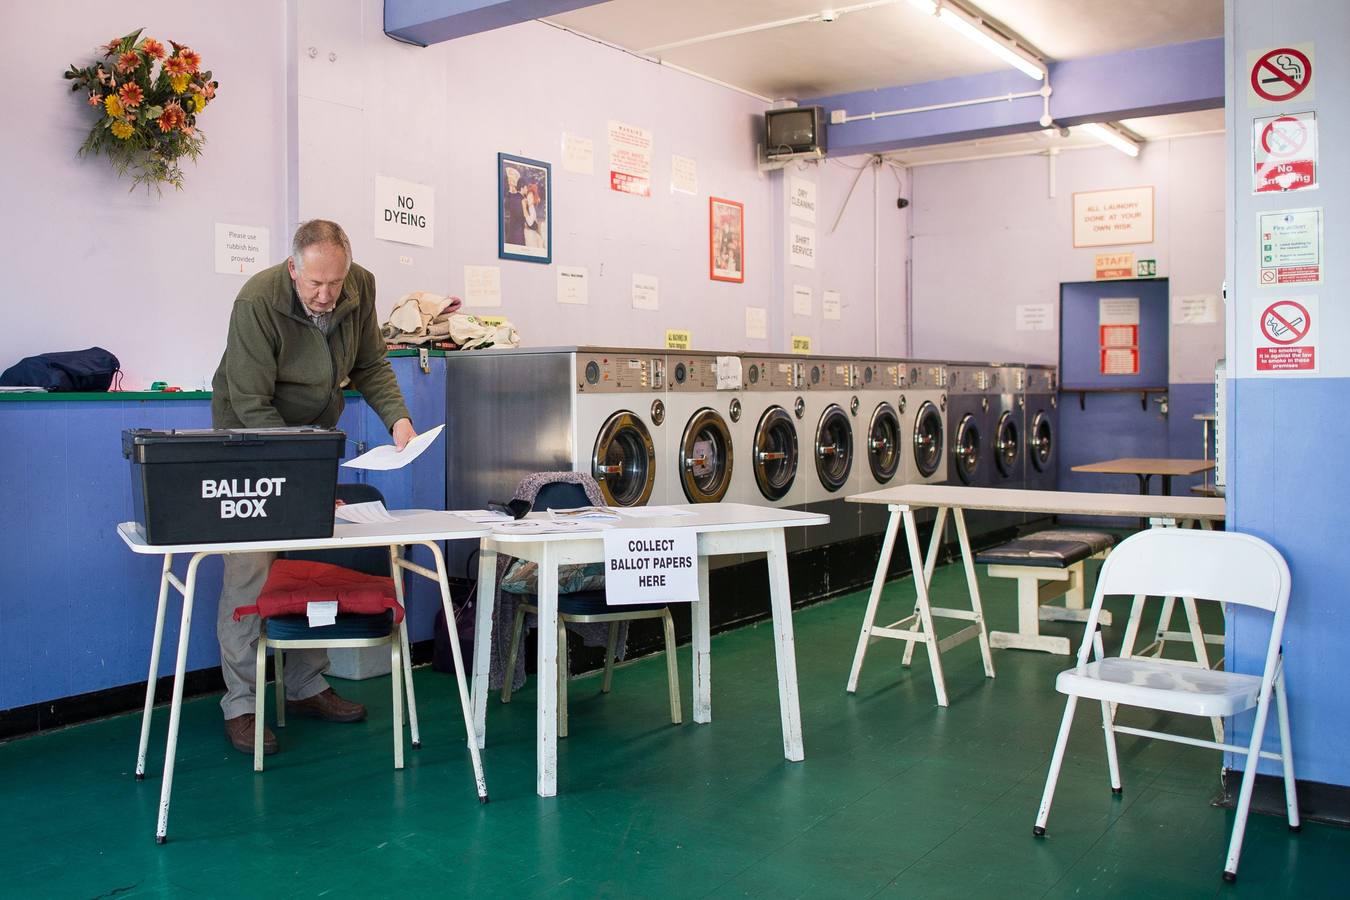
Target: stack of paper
<point>364,513</point>
<point>583,513</point>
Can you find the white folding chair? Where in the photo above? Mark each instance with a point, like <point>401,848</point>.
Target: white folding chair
<point>1210,565</point>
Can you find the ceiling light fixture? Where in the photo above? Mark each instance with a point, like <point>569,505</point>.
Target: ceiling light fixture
<point>974,29</point>
<point>1109,135</point>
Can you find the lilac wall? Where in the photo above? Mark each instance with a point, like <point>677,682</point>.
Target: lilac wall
<point>988,236</point>
<point>86,262</point>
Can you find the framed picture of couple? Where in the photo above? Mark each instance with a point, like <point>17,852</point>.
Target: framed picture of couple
<point>524,209</point>
<point>726,240</point>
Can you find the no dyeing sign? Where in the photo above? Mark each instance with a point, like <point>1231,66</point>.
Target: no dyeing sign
<point>648,565</point>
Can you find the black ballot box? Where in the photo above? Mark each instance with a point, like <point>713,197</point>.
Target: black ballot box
<point>202,486</point>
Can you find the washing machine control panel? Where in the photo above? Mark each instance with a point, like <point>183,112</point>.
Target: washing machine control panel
<point>697,373</point>
<point>883,376</point>
<point>620,374</point>
<point>841,376</point>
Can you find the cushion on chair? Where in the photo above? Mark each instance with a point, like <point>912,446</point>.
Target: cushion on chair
<point>347,626</point>
<point>293,583</point>
<point>1162,684</point>
<point>591,603</point>
<point>1058,548</point>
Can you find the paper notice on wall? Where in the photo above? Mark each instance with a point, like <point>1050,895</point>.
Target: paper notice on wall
<point>572,285</point>
<point>801,245</point>
<point>648,565</point>
<point>630,159</point>
<point>728,373</point>
<point>756,323</point>
<point>830,305</point>
<point>1119,336</point>
<point>1291,246</point>
<point>801,300</point>
<point>1118,311</point>
<point>801,343</point>
<point>1034,317</point>
<point>802,200</point>
<point>482,286</point>
<point>241,249</point>
<point>1285,336</point>
<point>646,292</point>
<point>683,175</point>
<point>678,338</point>
<point>578,154</point>
<point>1106,218</point>
<point>405,211</point>
<point>1195,309</point>
<point>1120,361</point>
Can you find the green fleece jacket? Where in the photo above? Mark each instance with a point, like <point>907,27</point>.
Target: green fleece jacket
<point>279,369</point>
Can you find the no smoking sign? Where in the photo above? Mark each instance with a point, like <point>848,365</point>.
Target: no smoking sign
<point>1284,153</point>
<point>1286,336</point>
<point>1280,75</point>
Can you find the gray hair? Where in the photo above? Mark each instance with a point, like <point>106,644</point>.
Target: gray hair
<point>318,231</point>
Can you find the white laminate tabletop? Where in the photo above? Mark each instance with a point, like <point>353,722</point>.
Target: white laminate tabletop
<point>413,526</point>
<point>1075,503</point>
<point>707,517</point>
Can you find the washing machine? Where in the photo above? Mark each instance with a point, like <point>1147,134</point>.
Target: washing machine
<point>773,458</point>
<point>884,436</point>
<point>925,403</point>
<point>701,452</point>
<point>1007,402</point>
<point>1041,429</point>
<point>829,431</point>
<point>968,436</point>
<point>620,425</point>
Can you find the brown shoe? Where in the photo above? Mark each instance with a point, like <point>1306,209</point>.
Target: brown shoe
<point>328,706</point>
<point>240,732</point>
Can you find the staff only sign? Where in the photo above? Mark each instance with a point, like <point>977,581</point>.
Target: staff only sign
<point>648,565</point>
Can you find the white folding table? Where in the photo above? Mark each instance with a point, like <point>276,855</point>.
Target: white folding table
<point>415,527</point>
<point>902,501</point>
<point>721,528</point>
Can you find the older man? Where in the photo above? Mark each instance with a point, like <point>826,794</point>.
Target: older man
<point>300,333</point>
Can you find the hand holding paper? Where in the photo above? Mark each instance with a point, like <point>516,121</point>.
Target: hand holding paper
<point>387,456</point>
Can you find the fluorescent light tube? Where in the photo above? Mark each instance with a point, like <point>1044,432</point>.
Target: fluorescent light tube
<point>975,30</point>
<point>1108,135</point>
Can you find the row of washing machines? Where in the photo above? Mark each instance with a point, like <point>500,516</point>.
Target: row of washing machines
<point>658,427</point>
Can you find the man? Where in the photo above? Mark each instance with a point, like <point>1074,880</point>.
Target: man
<point>300,333</point>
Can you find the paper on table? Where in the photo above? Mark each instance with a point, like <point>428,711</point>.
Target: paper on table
<point>654,512</point>
<point>364,513</point>
<point>545,526</point>
<point>480,516</point>
<point>321,612</point>
<point>387,456</point>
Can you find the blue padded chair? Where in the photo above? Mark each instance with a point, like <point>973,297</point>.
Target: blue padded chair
<point>350,630</point>
<point>586,607</point>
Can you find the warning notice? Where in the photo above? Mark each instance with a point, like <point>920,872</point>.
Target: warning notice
<point>1286,336</point>
<point>1291,246</point>
<point>1284,153</point>
<point>1280,75</point>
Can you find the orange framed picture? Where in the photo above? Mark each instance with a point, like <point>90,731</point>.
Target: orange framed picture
<point>726,240</point>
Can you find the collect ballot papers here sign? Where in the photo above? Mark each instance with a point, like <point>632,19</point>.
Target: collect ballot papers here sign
<point>650,565</point>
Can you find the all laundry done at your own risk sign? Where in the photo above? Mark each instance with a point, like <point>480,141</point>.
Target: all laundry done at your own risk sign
<point>650,565</point>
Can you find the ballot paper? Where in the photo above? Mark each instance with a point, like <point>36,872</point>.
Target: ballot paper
<point>321,612</point>
<point>364,513</point>
<point>545,526</point>
<point>480,516</point>
<point>655,512</point>
<point>578,513</point>
<point>387,456</point>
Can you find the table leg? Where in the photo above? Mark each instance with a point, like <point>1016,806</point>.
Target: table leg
<point>482,642</point>
<point>923,565</point>
<point>922,605</point>
<point>405,655</point>
<point>150,680</point>
<point>546,711</point>
<point>785,651</point>
<point>701,646</point>
<point>973,586</point>
<point>874,599</point>
<point>176,706</point>
<point>1167,485</point>
<point>461,682</point>
<point>1143,482</point>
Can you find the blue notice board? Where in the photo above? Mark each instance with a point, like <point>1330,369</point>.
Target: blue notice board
<point>1080,342</point>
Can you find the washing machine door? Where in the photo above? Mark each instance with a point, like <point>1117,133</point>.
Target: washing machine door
<point>775,453</point>
<point>1042,442</point>
<point>1007,445</point>
<point>834,447</point>
<point>705,457</point>
<point>883,443</point>
<point>624,460</point>
<point>927,438</point>
<point>967,448</point>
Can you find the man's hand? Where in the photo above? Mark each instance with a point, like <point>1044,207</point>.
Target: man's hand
<point>403,432</point>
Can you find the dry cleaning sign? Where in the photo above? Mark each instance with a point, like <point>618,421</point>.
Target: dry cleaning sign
<point>649,565</point>
<point>404,211</point>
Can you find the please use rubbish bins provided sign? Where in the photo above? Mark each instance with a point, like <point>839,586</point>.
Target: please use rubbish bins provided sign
<point>648,565</point>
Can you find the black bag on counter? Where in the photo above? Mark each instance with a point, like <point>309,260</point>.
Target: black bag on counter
<point>89,370</point>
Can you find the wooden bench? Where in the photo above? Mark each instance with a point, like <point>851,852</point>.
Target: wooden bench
<point>1046,565</point>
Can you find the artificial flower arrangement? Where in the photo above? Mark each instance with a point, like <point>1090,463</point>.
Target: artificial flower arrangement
<point>148,101</point>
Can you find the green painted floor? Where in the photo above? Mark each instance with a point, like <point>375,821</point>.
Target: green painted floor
<point>896,798</point>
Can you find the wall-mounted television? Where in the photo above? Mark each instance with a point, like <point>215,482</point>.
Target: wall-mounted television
<point>799,129</point>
